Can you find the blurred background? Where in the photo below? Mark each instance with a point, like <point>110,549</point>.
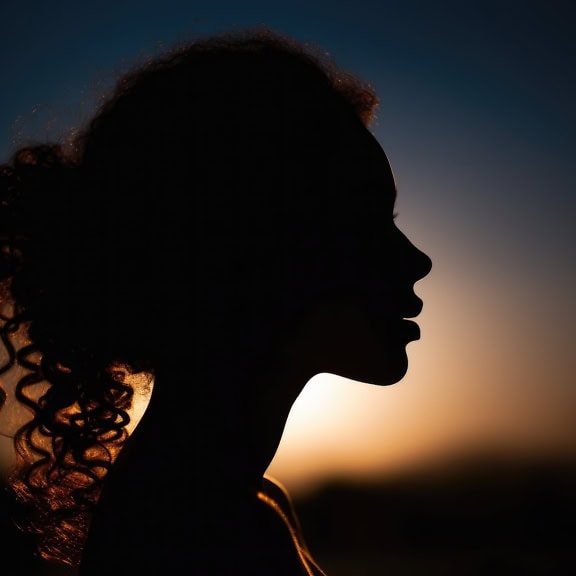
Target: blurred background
<point>468,465</point>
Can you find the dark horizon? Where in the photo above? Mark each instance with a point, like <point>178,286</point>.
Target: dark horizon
<point>475,516</point>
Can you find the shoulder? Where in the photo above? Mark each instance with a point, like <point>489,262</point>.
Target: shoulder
<point>277,497</point>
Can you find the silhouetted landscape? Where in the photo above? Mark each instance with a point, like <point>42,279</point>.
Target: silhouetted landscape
<point>482,516</point>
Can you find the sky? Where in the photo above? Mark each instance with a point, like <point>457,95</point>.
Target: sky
<point>478,119</point>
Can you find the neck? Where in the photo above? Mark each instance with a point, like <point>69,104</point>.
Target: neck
<point>199,451</point>
<point>229,426</point>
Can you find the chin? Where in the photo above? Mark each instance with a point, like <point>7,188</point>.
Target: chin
<point>384,372</point>
<point>388,377</point>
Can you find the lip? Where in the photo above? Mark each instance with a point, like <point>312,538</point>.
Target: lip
<point>405,328</point>
<point>414,308</point>
<point>410,329</point>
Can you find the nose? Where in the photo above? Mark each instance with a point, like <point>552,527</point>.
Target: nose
<point>424,263</point>
<point>416,264</point>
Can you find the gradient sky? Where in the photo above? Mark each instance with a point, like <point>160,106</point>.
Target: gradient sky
<point>478,118</point>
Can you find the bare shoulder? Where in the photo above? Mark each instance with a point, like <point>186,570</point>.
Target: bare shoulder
<point>275,494</point>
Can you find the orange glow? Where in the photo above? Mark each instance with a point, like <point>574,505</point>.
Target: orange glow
<point>492,373</point>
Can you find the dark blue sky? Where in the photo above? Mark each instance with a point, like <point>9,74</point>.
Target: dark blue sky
<point>478,117</point>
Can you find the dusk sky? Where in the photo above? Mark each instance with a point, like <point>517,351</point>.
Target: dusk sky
<point>478,119</point>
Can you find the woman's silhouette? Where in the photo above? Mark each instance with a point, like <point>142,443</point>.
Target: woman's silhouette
<point>223,225</point>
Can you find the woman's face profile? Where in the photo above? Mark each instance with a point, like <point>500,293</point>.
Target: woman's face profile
<point>366,268</point>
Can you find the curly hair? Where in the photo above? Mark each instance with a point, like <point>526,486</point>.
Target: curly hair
<point>90,286</point>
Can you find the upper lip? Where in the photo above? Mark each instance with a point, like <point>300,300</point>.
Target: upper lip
<point>413,308</point>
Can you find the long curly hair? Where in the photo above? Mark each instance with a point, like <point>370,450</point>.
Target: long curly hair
<point>92,289</point>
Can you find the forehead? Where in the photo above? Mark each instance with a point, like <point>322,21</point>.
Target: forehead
<point>363,159</point>
<point>344,159</point>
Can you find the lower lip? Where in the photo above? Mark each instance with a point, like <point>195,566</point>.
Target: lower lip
<point>411,329</point>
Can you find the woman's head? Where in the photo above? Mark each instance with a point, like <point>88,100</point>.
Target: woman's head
<point>201,164</point>
<point>227,198</point>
